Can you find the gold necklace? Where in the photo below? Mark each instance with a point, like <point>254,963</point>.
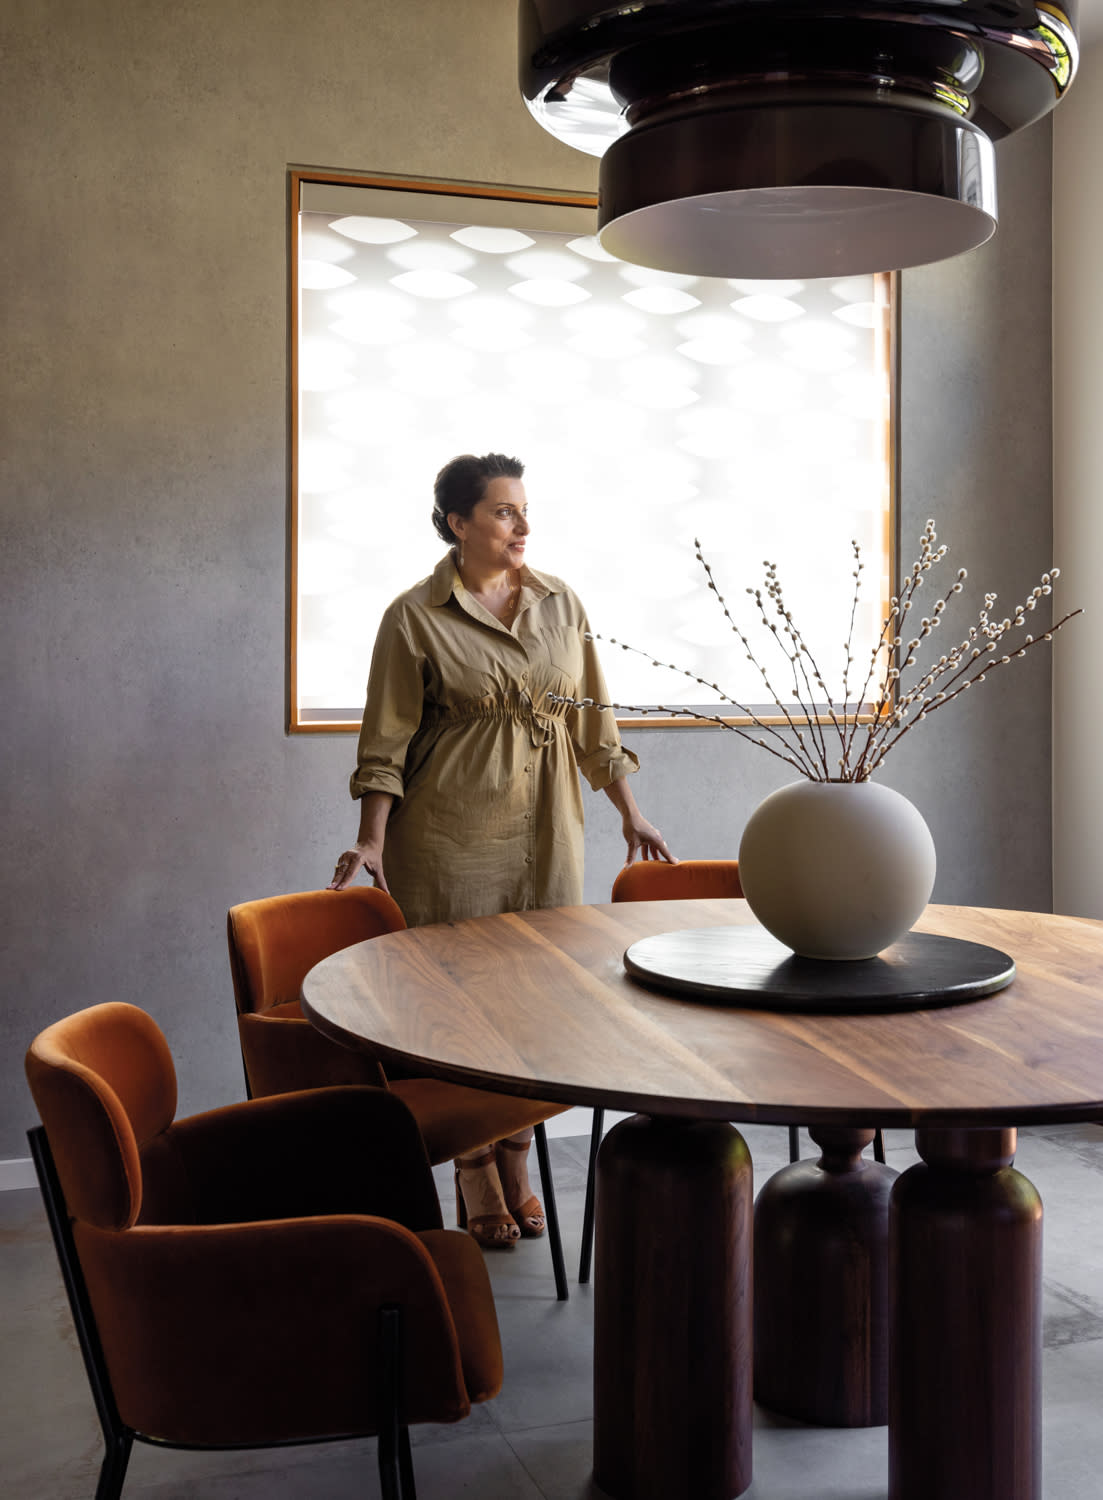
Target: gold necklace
<point>513,599</point>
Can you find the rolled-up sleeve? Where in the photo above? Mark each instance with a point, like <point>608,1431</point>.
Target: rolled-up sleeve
<point>392,711</point>
<point>601,757</point>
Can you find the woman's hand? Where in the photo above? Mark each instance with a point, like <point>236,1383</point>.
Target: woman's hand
<point>642,837</point>
<point>367,852</point>
<point>644,840</point>
<point>367,857</point>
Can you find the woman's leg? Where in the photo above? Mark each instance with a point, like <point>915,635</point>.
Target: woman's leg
<point>513,1170</point>
<point>480,1202</point>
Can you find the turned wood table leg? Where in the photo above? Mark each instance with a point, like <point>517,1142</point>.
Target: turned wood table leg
<point>966,1322</point>
<point>821,1231</point>
<point>672,1311</point>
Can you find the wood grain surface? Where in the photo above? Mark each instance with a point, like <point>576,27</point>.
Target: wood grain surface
<point>538,1004</point>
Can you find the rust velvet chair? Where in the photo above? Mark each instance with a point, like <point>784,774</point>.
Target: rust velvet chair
<point>273,944</point>
<point>271,1272</point>
<point>688,880</point>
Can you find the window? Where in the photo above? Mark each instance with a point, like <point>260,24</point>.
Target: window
<point>648,408</point>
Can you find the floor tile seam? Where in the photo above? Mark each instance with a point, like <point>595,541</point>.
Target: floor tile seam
<point>532,1428</point>
<point>1050,1341</point>
<point>1090,1153</point>
<point>580,1423</point>
<point>1087,1157</point>
<point>1072,1297</point>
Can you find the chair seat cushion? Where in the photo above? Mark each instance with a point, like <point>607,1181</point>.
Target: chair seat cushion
<point>283,1053</point>
<point>285,1010</point>
<point>455,1120</point>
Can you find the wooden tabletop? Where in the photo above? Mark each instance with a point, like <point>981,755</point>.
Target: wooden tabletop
<point>538,1004</point>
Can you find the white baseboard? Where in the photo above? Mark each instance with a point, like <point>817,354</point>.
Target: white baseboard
<point>17,1173</point>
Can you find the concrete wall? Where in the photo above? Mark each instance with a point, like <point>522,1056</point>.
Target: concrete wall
<point>143,435</point>
<point>1078,489</point>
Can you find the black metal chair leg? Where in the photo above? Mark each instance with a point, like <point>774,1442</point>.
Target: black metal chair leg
<point>113,1468</point>
<point>879,1146</point>
<point>395,1468</point>
<point>389,1480</point>
<point>551,1213</point>
<point>406,1464</point>
<point>117,1436</point>
<point>586,1255</point>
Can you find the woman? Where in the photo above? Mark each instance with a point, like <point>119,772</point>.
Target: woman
<point>467,772</point>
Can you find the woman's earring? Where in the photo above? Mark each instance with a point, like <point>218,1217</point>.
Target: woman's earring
<point>461,557</point>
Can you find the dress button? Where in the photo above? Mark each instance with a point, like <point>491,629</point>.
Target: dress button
<point>528,859</point>
<point>527,770</point>
<point>524,676</point>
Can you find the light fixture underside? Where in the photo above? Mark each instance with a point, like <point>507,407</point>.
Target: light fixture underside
<point>757,139</point>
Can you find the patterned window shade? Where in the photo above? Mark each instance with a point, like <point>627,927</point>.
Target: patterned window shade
<point>648,408</point>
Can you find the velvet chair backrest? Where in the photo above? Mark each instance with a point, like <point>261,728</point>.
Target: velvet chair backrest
<point>274,943</point>
<point>105,1086</point>
<point>688,880</point>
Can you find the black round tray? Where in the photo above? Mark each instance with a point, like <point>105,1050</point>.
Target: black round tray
<point>745,966</point>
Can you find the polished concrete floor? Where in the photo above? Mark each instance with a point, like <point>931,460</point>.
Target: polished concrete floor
<point>535,1439</point>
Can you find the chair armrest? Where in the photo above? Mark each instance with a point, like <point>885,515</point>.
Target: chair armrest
<point>253,1332</point>
<point>323,1151</point>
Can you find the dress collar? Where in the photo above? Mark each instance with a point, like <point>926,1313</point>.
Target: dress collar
<point>446,581</point>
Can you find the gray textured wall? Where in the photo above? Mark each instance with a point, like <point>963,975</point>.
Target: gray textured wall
<point>1078,464</point>
<point>143,433</point>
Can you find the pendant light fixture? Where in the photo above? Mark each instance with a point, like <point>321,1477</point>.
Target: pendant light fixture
<point>773,139</point>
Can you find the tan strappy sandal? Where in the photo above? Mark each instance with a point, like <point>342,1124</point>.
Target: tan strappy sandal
<point>491,1231</point>
<point>529,1215</point>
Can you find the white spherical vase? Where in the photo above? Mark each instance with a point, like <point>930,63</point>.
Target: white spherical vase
<point>836,869</point>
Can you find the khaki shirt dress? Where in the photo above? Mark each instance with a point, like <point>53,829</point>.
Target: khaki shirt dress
<point>488,814</point>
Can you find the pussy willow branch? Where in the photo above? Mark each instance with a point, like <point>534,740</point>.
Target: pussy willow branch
<point>900,607</point>
<point>848,658</point>
<point>747,647</point>
<point>984,668</point>
<point>898,708</point>
<point>957,662</point>
<point>806,765</point>
<point>918,701</point>
<point>692,713</point>
<point>745,643</point>
<point>797,660</point>
<point>881,645</point>
<point>802,653</point>
<point>896,619</point>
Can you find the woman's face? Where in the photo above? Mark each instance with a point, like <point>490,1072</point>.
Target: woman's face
<point>493,535</point>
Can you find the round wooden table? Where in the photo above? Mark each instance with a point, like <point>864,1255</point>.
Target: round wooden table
<point>539,1004</point>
